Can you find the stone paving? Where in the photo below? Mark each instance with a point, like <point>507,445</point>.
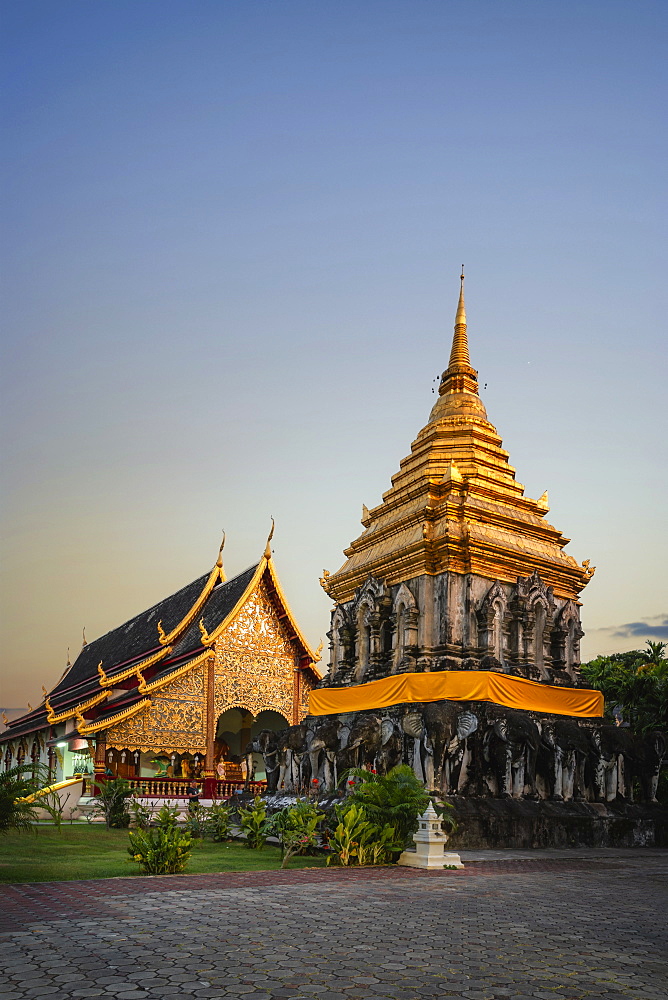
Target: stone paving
<point>544,927</point>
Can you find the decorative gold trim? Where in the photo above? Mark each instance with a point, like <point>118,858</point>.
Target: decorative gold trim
<point>588,570</point>
<point>267,548</point>
<point>83,728</point>
<point>52,717</point>
<point>147,688</point>
<point>166,637</point>
<point>210,637</point>
<point>219,560</point>
<point>314,657</point>
<point>107,681</point>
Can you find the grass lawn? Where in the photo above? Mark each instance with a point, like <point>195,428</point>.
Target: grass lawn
<point>83,851</point>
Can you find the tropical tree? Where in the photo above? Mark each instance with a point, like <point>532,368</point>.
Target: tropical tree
<point>634,685</point>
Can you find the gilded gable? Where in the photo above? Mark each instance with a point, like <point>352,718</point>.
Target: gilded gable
<point>175,720</point>
<point>255,660</point>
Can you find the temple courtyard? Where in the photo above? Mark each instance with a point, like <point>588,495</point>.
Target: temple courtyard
<point>512,924</point>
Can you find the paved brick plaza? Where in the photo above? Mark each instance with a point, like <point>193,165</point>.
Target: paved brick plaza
<point>546,927</point>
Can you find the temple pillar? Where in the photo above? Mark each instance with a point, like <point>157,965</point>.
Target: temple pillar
<point>296,696</point>
<point>209,775</point>
<point>99,762</point>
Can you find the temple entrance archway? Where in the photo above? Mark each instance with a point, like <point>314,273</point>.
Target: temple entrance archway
<point>236,727</point>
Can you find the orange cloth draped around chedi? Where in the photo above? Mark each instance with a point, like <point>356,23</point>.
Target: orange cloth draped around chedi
<point>458,685</point>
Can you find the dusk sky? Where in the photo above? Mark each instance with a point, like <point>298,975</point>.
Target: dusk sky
<point>232,234</point>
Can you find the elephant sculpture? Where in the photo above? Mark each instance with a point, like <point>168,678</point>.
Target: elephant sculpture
<point>511,745</point>
<point>391,747</point>
<point>611,763</point>
<point>448,725</point>
<point>363,743</point>
<point>422,750</point>
<point>323,747</point>
<point>292,747</point>
<point>649,751</point>
<point>267,744</point>
<point>562,759</point>
<point>619,758</point>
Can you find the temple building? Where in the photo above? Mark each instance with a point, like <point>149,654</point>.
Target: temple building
<point>457,568</point>
<point>178,691</point>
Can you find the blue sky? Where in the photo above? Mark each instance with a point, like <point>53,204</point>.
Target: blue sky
<point>232,235</point>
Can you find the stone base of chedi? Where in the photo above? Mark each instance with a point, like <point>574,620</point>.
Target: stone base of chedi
<point>520,823</point>
<point>515,778</point>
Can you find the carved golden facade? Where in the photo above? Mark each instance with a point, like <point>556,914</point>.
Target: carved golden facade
<point>255,661</point>
<point>175,720</point>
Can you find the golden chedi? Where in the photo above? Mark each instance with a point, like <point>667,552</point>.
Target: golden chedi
<point>456,568</point>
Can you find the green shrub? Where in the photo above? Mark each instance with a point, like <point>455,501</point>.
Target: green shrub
<point>296,828</point>
<point>112,799</point>
<point>378,846</point>
<point>218,821</point>
<point>160,851</point>
<point>195,822</point>
<point>141,814</point>
<point>357,839</point>
<point>254,823</point>
<point>167,817</point>
<point>351,830</point>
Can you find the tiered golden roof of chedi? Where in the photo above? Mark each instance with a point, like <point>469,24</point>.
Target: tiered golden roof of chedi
<point>455,505</point>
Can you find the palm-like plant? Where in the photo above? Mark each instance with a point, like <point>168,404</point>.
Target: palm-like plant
<point>15,784</point>
<point>395,799</point>
<point>655,652</point>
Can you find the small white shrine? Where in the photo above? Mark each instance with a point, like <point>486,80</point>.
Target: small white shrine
<point>430,841</point>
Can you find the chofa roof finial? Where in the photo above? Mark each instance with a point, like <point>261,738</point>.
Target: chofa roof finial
<point>219,560</point>
<point>267,550</point>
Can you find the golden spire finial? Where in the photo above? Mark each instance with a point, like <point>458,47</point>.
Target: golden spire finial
<point>267,550</point>
<point>458,391</point>
<point>460,347</point>
<point>68,664</point>
<point>83,634</point>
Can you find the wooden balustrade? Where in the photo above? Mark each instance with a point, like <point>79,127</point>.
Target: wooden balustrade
<point>176,788</point>
<point>160,788</point>
<point>224,789</point>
